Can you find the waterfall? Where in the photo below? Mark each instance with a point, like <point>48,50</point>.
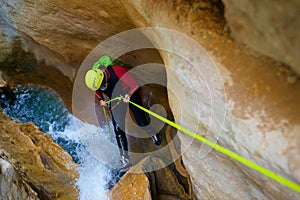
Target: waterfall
<point>43,106</point>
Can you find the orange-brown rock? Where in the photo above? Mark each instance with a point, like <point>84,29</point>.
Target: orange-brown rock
<point>41,163</point>
<point>142,182</point>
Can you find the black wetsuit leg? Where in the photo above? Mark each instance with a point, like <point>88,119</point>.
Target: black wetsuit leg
<point>139,115</point>
<point>120,136</point>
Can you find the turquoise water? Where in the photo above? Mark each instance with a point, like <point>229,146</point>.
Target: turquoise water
<point>40,105</point>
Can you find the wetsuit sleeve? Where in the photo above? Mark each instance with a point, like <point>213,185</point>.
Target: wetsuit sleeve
<point>127,80</point>
<point>99,95</point>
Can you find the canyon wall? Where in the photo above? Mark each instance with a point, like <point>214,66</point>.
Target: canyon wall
<point>241,96</point>
<point>254,115</point>
<point>269,28</point>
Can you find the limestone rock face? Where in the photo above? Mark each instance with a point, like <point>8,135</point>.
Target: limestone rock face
<point>258,119</point>
<point>59,33</point>
<point>12,186</point>
<point>35,159</point>
<point>270,28</point>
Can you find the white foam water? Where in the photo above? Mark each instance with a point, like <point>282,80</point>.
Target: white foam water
<point>93,179</point>
<point>94,176</point>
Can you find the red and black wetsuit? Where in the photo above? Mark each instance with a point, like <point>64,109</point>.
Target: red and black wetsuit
<point>120,82</point>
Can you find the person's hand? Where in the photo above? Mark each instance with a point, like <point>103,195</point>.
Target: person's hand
<point>126,98</point>
<point>102,103</point>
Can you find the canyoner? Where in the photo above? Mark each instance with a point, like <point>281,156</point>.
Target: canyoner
<point>108,78</point>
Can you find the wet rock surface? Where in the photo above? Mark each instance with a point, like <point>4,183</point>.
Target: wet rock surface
<point>36,160</point>
<point>22,67</point>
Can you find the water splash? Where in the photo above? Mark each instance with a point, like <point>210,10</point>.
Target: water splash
<point>93,178</point>
<point>94,175</point>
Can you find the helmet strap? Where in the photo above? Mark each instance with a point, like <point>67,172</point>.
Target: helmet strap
<point>106,84</point>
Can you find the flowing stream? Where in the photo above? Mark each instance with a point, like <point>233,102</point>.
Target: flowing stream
<point>43,106</point>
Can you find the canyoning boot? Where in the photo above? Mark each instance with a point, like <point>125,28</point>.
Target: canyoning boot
<point>125,163</point>
<point>123,147</point>
<point>124,160</point>
<point>156,139</point>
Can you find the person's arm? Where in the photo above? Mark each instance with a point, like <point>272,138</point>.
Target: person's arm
<point>100,97</point>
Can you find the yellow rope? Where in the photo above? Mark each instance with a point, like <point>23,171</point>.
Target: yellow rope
<point>288,183</point>
<point>106,119</point>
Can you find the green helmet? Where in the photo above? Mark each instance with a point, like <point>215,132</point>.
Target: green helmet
<point>103,61</point>
<point>94,78</point>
